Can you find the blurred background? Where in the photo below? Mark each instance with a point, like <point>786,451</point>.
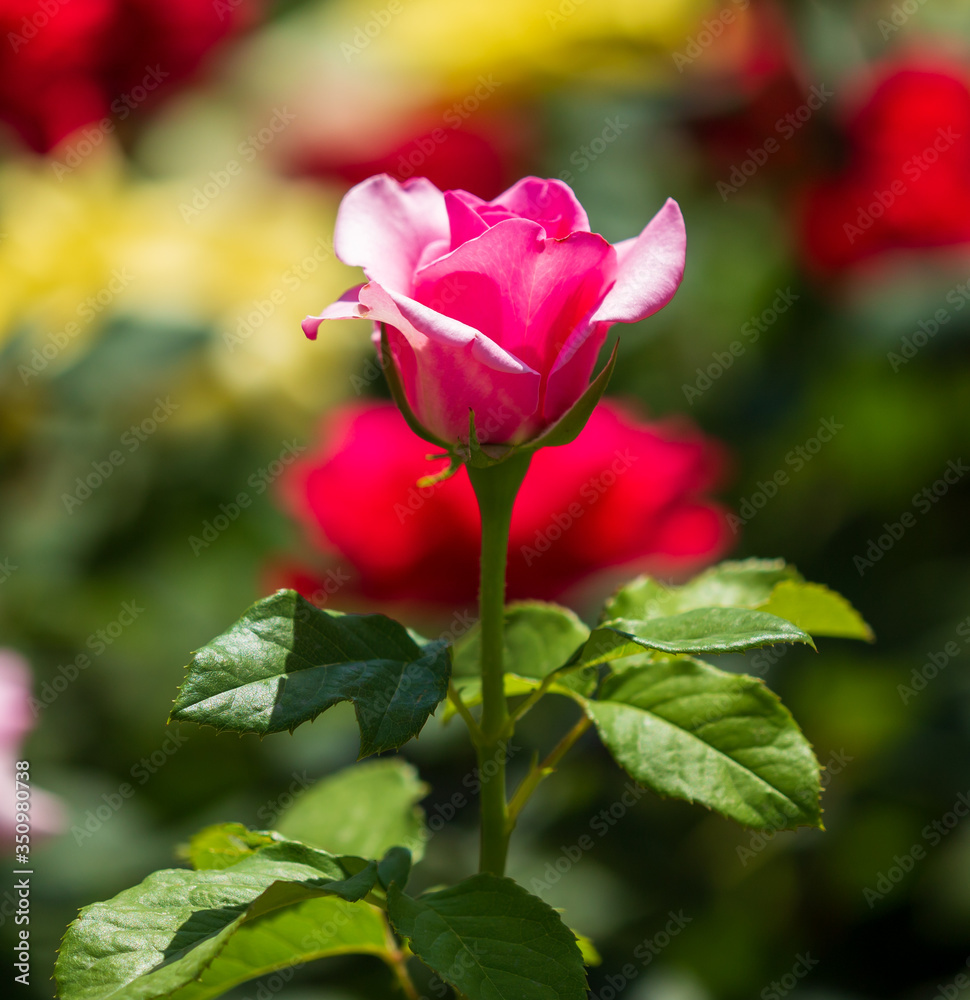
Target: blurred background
<point>169,177</point>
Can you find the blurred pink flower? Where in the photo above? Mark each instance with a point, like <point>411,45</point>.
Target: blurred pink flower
<point>499,307</point>
<point>16,720</point>
<point>624,493</point>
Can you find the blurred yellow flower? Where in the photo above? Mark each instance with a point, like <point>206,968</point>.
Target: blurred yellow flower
<point>358,73</point>
<point>511,38</point>
<point>243,255</point>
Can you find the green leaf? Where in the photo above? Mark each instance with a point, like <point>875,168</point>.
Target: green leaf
<point>689,730</point>
<point>286,661</point>
<point>159,937</point>
<point>768,585</point>
<point>705,630</point>
<point>315,928</point>
<point>492,940</point>
<point>225,844</point>
<point>539,638</point>
<point>395,866</point>
<point>364,809</point>
<point>745,584</point>
<point>817,610</point>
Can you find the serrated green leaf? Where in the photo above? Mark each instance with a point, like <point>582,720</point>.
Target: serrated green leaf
<point>817,610</point>
<point>704,630</point>
<point>768,585</point>
<point>492,940</point>
<point>286,661</point>
<point>225,844</point>
<point>364,809</point>
<point>160,936</point>
<point>303,932</point>
<point>689,730</point>
<point>733,584</point>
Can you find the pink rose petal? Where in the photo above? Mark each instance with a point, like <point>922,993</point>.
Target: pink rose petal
<point>650,269</point>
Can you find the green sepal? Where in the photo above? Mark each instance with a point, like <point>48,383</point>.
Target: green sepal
<point>568,427</point>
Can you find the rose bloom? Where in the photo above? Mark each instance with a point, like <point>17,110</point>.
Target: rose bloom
<point>625,492</point>
<point>71,63</point>
<point>906,179</point>
<point>499,307</point>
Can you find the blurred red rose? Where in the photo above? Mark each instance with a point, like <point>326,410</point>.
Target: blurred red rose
<point>68,63</point>
<point>623,493</point>
<point>752,94</point>
<point>483,158</point>
<point>906,179</point>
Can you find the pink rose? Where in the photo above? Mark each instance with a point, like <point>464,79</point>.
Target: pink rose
<point>501,306</point>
